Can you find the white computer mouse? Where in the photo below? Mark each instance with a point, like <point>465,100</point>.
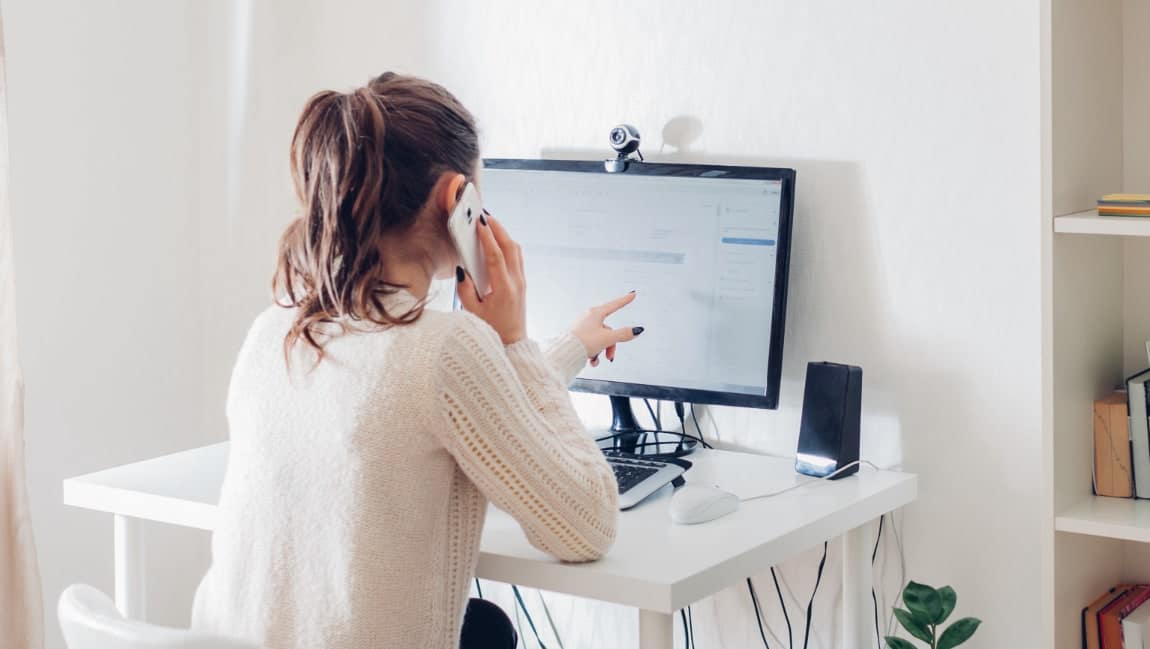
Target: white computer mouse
<point>693,504</point>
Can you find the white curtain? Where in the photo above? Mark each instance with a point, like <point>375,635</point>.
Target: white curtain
<point>21,615</point>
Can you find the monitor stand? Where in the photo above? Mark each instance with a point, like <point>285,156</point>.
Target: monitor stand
<point>628,437</point>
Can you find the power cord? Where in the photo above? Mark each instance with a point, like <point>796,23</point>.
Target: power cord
<point>478,588</point>
<point>551,622</point>
<point>783,605</point>
<point>527,614</point>
<point>873,594</point>
<point>691,626</point>
<point>902,570</point>
<point>683,425</point>
<point>804,483</point>
<point>686,629</point>
<point>654,418</point>
<point>811,604</point>
<point>695,418</point>
<point>758,613</point>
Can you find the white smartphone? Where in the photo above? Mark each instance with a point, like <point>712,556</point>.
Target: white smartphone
<point>461,225</point>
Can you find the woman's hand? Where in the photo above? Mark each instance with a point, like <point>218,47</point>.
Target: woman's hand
<point>505,307</point>
<point>597,336</point>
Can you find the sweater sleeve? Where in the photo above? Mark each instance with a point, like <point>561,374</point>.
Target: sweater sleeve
<point>566,356</point>
<point>509,423</point>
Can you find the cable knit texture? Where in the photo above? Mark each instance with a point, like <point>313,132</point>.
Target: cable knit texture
<point>355,494</point>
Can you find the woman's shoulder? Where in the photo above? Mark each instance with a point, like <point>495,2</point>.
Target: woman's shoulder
<point>448,327</point>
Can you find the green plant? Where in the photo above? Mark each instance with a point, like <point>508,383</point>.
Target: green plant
<point>926,610</point>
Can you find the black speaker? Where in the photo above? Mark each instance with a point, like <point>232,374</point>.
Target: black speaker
<point>829,432</point>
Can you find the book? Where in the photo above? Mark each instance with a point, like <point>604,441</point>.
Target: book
<point>1124,205</point>
<point>1112,473</point>
<point>1125,198</point>
<point>1110,618</point>
<point>1090,635</point>
<point>1139,432</point>
<point>1123,211</point>
<point>1136,628</point>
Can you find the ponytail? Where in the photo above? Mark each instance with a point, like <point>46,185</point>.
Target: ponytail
<point>363,165</point>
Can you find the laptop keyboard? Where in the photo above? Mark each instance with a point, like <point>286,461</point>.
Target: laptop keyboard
<point>630,472</point>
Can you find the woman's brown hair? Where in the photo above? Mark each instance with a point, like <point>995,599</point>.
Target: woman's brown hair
<point>363,164</point>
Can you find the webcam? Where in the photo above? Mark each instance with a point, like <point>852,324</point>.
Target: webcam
<point>624,139</point>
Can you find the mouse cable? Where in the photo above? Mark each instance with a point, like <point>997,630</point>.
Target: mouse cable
<point>551,622</point>
<point>783,605</point>
<point>758,613</point>
<point>873,593</point>
<point>691,626</point>
<point>527,614</point>
<point>811,604</point>
<point>812,481</point>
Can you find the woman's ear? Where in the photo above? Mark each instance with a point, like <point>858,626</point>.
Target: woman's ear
<point>448,188</point>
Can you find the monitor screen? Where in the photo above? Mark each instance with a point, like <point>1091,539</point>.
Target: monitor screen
<point>704,247</point>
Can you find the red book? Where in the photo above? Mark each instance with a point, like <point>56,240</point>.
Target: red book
<point>1090,635</point>
<point>1110,618</point>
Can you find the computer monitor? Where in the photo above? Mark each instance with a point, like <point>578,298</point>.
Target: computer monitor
<point>706,248</point>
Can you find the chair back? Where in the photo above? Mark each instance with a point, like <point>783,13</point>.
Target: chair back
<point>90,620</point>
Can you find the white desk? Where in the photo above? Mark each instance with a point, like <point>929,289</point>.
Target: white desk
<point>655,566</point>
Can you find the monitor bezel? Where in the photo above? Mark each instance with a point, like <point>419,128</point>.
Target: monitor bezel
<point>769,400</point>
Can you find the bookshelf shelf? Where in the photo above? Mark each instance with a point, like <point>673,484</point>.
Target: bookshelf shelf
<point>1114,518</point>
<point>1090,223</point>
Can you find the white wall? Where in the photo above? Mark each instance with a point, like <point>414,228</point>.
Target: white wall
<point>914,130</point>
<point>104,209</point>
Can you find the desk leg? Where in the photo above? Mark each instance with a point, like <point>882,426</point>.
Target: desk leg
<point>128,542</point>
<point>656,630</point>
<point>858,620</point>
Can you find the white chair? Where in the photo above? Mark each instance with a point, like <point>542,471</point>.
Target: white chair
<point>90,620</point>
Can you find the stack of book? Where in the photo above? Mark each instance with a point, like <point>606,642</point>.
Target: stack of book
<point>1118,619</point>
<point>1124,205</point>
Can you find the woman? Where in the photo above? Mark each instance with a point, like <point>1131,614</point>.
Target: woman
<point>369,434</point>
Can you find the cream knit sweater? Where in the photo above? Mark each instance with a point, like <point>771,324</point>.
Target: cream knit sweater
<point>355,494</point>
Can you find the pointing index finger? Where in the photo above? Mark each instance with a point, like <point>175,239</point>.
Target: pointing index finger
<point>607,308</point>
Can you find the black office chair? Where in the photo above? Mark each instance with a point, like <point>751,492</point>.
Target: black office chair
<point>486,626</point>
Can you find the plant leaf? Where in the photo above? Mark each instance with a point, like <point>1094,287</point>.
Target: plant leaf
<point>898,643</point>
<point>949,599</point>
<point>914,626</point>
<point>958,633</point>
<point>923,601</point>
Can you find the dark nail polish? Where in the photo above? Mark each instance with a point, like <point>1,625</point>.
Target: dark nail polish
<point>459,274</point>
<point>631,291</point>
<point>483,219</point>
<point>636,330</point>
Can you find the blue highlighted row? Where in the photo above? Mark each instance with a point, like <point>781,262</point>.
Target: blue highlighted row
<point>743,241</point>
